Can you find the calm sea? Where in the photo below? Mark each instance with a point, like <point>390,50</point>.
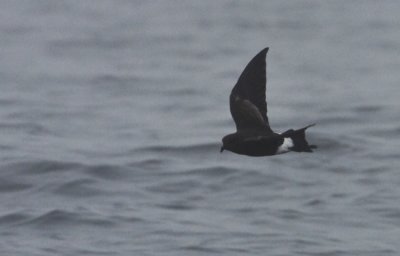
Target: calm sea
<point>112,114</point>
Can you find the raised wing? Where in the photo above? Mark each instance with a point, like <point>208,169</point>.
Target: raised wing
<point>247,99</point>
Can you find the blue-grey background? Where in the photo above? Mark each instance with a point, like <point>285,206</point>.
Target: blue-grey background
<point>112,112</point>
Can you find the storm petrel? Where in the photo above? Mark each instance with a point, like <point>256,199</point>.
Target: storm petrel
<point>254,136</point>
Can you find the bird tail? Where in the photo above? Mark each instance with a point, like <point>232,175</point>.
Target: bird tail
<point>298,137</point>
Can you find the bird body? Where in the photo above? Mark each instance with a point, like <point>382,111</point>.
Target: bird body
<point>248,106</point>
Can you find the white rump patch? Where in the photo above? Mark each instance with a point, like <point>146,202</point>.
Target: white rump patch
<point>284,148</point>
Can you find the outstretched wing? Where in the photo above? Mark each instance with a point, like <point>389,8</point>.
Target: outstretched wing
<point>247,99</point>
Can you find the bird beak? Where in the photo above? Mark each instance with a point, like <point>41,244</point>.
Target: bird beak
<point>222,149</point>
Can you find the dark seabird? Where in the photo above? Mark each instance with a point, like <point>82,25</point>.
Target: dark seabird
<point>254,136</point>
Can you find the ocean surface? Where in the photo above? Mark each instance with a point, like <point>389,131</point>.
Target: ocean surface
<point>112,114</point>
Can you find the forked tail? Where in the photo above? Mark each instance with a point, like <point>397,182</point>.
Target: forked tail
<point>298,137</point>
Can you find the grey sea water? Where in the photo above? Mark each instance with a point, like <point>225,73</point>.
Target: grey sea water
<point>112,112</point>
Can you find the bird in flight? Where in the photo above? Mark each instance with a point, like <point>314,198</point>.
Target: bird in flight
<point>254,136</point>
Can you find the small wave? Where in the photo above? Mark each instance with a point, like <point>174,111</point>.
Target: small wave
<point>7,102</point>
<point>328,253</point>
<point>344,145</point>
<point>42,166</point>
<point>200,249</point>
<point>7,147</point>
<point>178,206</point>
<point>305,242</point>
<point>392,213</point>
<point>13,218</point>
<point>109,79</point>
<point>70,45</point>
<point>26,127</point>
<point>290,214</point>
<point>149,164</point>
<point>108,172</point>
<point>376,169</point>
<point>175,187</point>
<point>314,202</point>
<point>336,120</point>
<point>11,186</point>
<point>120,84</point>
<point>215,171</point>
<point>79,188</point>
<point>385,132</point>
<point>194,148</point>
<point>257,178</point>
<point>61,217</point>
<point>368,108</point>
<point>88,252</point>
<point>126,219</point>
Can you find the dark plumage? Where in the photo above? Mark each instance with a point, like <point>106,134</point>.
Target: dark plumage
<point>254,136</point>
